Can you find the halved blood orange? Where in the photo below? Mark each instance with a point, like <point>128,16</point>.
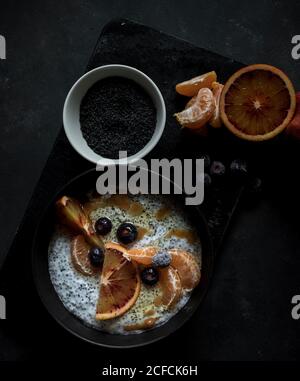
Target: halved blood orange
<point>257,102</point>
<point>187,267</point>
<point>170,285</point>
<point>80,256</point>
<point>120,283</point>
<point>142,255</point>
<point>199,111</point>
<point>192,86</point>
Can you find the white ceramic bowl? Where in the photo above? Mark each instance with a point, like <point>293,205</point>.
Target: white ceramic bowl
<point>71,112</point>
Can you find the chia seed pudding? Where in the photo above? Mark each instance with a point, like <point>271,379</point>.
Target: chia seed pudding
<point>117,114</point>
<point>79,293</point>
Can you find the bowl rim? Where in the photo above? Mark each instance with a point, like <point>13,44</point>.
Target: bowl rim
<point>159,128</point>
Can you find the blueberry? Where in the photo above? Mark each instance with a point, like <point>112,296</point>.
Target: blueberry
<point>96,256</point>
<point>203,179</point>
<point>161,259</point>
<point>239,169</point>
<point>103,226</point>
<point>127,233</point>
<point>150,276</point>
<point>207,161</point>
<point>254,186</point>
<point>217,169</point>
<point>207,181</point>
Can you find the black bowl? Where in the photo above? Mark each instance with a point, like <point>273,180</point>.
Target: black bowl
<point>77,188</point>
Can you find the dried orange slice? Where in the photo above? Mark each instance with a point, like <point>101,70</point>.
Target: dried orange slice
<point>257,102</point>
<point>71,213</point>
<point>79,256</point>
<point>216,120</point>
<point>170,285</point>
<point>199,112</point>
<point>120,283</point>
<point>142,255</point>
<point>187,267</point>
<point>192,86</point>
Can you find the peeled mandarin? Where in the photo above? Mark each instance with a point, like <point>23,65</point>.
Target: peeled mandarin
<point>199,112</point>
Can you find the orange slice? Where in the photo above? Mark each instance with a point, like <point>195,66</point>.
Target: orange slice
<point>142,255</point>
<point>192,86</point>
<point>216,120</point>
<point>120,283</point>
<point>257,102</point>
<point>199,112</point>
<point>170,285</point>
<point>187,267</point>
<point>80,256</point>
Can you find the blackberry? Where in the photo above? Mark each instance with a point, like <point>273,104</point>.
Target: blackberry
<point>239,169</point>
<point>217,170</point>
<point>207,161</point>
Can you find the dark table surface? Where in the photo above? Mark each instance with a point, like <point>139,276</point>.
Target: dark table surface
<point>48,47</point>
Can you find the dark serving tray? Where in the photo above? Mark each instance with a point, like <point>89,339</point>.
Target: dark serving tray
<point>166,60</point>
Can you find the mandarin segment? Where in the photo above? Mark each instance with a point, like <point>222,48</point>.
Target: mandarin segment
<point>192,86</point>
<point>142,255</point>
<point>191,102</point>
<point>80,256</point>
<point>216,120</point>
<point>199,112</point>
<point>170,285</point>
<point>203,131</point>
<point>187,267</point>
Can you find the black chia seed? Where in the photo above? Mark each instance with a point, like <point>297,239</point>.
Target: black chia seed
<point>117,114</point>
